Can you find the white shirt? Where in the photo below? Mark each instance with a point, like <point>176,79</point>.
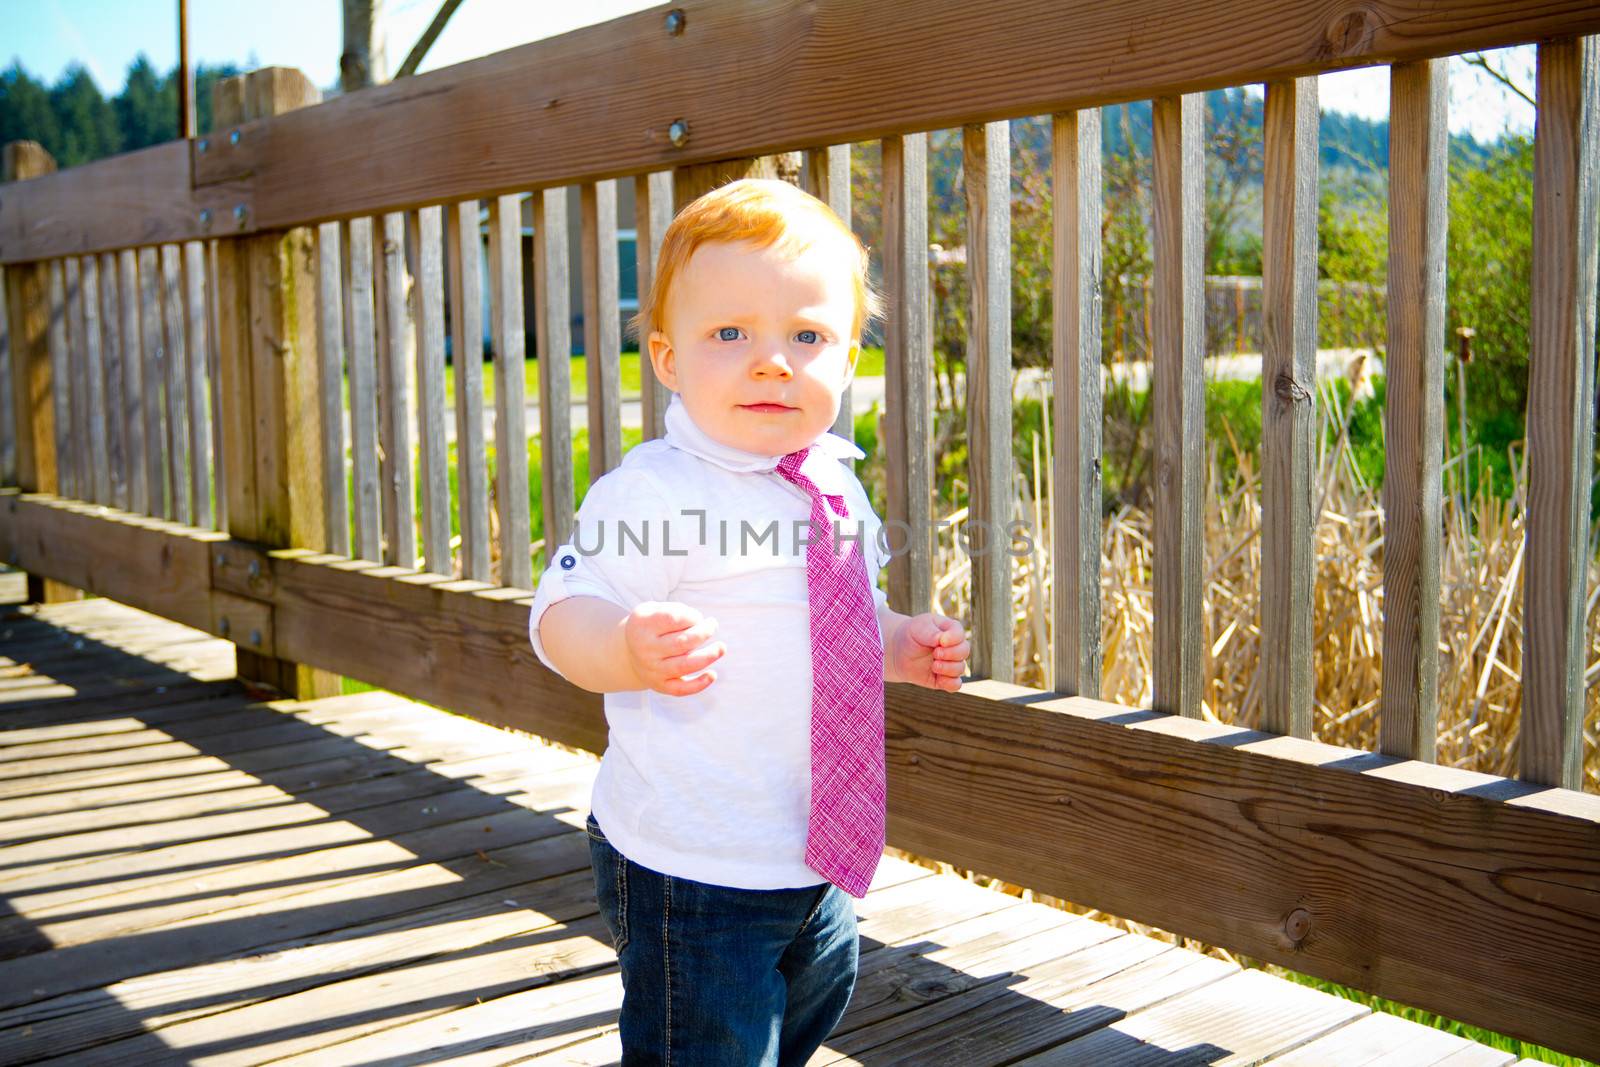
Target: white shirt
<point>713,787</point>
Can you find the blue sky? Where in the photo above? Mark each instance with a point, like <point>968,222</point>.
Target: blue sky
<point>106,35</point>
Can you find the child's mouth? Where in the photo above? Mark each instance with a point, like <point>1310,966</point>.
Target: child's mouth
<point>774,408</point>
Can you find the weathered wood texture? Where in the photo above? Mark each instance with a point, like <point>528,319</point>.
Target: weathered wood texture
<point>1561,409</point>
<point>1413,413</point>
<point>908,375</point>
<point>986,171</point>
<point>331,335</point>
<point>1077,411</point>
<point>652,213</point>
<point>396,337</point>
<point>361,367</point>
<point>553,338</point>
<point>1177,402</point>
<point>602,340</point>
<point>510,421</point>
<point>827,177</point>
<point>1288,414</point>
<point>1486,865</point>
<point>433,462</point>
<point>462,246</point>
<point>194,372</point>
<point>595,103</point>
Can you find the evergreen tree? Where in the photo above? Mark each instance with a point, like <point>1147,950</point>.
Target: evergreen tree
<point>147,108</point>
<point>87,122</point>
<point>25,112</point>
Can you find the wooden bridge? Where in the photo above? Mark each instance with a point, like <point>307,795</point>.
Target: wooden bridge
<point>194,874</point>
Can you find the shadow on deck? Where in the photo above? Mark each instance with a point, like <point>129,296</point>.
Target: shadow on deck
<point>191,875</point>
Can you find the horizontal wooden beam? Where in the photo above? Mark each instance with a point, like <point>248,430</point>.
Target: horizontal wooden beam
<point>756,77</point>
<point>1471,895</point>
<point>140,198</point>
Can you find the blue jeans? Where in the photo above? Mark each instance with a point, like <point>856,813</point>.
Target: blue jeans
<point>713,975</point>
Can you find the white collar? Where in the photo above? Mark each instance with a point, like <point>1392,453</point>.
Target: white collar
<point>683,433</point>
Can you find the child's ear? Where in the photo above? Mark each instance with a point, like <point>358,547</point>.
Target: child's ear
<point>663,359</point>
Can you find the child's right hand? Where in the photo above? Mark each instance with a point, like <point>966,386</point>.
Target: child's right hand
<point>667,640</point>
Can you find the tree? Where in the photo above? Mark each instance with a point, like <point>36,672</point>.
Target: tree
<point>147,107</point>
<point>87,122</point>
<point>25,111</point>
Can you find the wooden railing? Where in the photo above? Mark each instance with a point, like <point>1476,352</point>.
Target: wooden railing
<point>177,319</point>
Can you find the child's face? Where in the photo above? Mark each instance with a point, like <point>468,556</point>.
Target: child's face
<point>758,344</point>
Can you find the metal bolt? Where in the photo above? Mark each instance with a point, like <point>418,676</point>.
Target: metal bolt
<point>204,145</point>
<point>255,637</point>
<point>678,133</point>
<point>205,218</point>
<point>234,137</point>
<point>675,21</point>
<point>255,568</point>
<point>224,626</point>
<point>239,213</point>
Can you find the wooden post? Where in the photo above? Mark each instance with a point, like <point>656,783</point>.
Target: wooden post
<point>267,355</point>
<point>27,296</point>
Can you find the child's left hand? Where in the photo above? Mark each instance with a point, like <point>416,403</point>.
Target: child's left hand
<point>928,650</point>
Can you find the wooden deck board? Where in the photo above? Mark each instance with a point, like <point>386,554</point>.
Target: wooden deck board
<point>189,874</point>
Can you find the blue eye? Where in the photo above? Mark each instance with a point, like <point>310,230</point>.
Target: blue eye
<point>807,337</point>
<point>728,333</point>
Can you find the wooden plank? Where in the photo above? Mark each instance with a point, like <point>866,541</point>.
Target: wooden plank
<point>1077,409</point>
<point>1560,410</point>
<point>330,403</point>
<point>130,414</point>
<point>1288,413</point>
<point>60,377</point>
<point>137,198</point>
<point>652,213</point>
<point>152,376</point>
<point>510,420</point>
<point>235,415</point>
<point>986,170</point>
<point>464,247</point>
<point>363,371</point>
<point>396,344</point>
<point>1384,1040</point>
<point>111,362</point>
<point>430,393</point>
<point>196,359</point>
<point>214,380</point>
<point>1239,1020</point>
<point>827,177</point>
<point>1178,403</point>
<point>908,382</point>
<point>8,375</point>
<point>27,294</point>
<point>175,384</point>
<point>553,338</point>
<point>602,340</point>
<point>1413,415</point>
<point>81,485</point>
<point>543,114</point>
<point>94,380</point>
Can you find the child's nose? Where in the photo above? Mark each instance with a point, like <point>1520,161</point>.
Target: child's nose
<point>773,363</point>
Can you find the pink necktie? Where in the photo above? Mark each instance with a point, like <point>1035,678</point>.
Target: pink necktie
<point>845,831</point>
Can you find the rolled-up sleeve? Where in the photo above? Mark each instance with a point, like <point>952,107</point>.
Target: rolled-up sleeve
<point>597,561</point>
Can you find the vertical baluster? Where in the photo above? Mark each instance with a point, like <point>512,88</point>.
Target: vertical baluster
<point>98,482</point>
<point>986,169</point>
<point>430,392</point>
<point>827,177</point>
<point>1078,414</point>
<point>197,359</point>
<point>1288,416</point>
<point>8,425</point>
<point>1177,306</point>
<point>396,339</point>
<point>330,354</point>
<point>554,339</point>
<point>153,361</point>
<point>60,377</point>
<point>510,421</point>
<point>177,439</point>
<point>1414,411</point>
<point>131,412</point>
<point>1566,199</point>
<point>602,341</point>
<point>362,363</point>
<point>652,212</point>
<point>908,358</point>
<point>81,487</point>
<point>219,469</point>
<point>466,323</point>
<point>111,361</point>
